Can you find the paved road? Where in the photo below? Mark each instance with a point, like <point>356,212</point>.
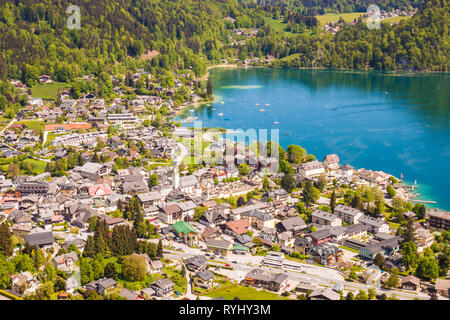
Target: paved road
<point>319,276</point>
<point>9,124</point>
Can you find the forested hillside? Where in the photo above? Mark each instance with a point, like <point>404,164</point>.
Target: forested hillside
<point>315,7</point>
<point>420,43</point>
<point>34,38</point>
<point>192,34</point>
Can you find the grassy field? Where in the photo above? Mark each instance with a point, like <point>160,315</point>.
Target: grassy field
<point>350,17</point>
<point>276,24</point>
<point>4,122</point>
<point>37,167</point>
<point>51,136</point>
<point>33,124</point>
<point>244,293</point>
<point>395,19</point>
<point>47,91</point>
<point>334,17</point>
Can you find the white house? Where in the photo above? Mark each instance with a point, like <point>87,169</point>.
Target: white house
<point>311,169</point>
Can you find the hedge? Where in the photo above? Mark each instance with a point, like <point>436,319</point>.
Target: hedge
<point>9,295</point>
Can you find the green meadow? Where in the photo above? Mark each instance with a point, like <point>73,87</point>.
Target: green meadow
<point>47,91</point>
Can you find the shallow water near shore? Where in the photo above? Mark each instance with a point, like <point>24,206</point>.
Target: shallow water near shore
<point>397,123</point>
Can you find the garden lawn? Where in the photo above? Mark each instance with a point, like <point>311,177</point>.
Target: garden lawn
<point>244,293</point>
<point>38,166</point>
<point>33,124</point>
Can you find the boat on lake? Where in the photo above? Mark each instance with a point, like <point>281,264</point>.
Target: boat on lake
<point>261,110</point>
<point>275,122</point>
<point>220,114</point>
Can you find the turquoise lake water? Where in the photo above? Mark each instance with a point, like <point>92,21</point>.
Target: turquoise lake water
<point>394,123</point>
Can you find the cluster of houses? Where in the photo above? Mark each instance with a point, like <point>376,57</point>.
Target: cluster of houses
<point>42,208</point>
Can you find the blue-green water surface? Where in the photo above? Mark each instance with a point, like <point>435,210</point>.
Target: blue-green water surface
<point>394,123</point>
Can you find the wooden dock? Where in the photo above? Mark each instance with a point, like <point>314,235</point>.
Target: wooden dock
<point>423,201</point>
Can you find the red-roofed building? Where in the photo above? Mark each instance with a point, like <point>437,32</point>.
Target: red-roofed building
<point>68,126</point>
<point>98,190</point>
<point>331,161</point>
<point>236,227</point>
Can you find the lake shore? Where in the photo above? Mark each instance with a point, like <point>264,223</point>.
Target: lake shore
<point>380,95</point>
<point>224,65</point>
<point>196,105</point>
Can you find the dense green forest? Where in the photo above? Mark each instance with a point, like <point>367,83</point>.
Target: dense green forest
<point>315,7</point>
<point>419,43</point>
<point>34,38</point>
<point>192,34</point>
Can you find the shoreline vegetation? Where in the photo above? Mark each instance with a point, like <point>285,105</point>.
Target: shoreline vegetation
<point>196,105</point>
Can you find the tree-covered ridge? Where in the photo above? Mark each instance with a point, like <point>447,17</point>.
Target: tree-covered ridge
<point>192,34</point>
<point>315,7</point>
<point>420,43</point>
<point>34,37</point>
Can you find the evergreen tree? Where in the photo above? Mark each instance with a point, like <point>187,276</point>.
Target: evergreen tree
<point>379,260</point>
<point>160,252</point>
<point>310,194</point>
<point>110,270</point>
<point>89,248</point>
<point>288,183</point>
<point>124,240</point>
<point>6,247</point>
<point>333,201</point>
<point>409,231</point>
<point>209,88</point>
